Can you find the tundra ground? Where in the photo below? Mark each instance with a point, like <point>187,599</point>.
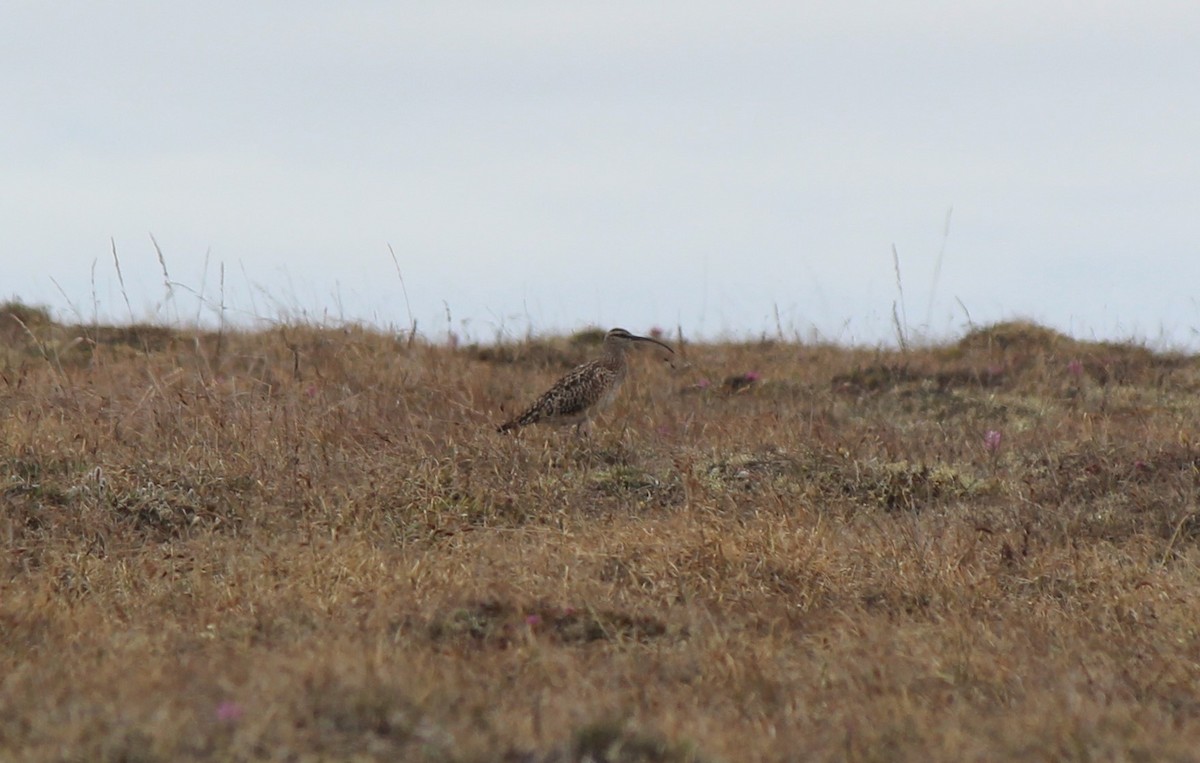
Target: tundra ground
<point>310,544</point>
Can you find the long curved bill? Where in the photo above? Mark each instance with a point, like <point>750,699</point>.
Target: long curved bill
<point>652,341</point>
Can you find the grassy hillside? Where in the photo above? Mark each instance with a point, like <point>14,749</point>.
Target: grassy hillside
<point>309,544</point>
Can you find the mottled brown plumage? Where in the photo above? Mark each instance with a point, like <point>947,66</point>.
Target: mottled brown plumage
<point>585,390</point>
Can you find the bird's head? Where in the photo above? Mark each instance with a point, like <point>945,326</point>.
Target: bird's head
<point>620,340</point>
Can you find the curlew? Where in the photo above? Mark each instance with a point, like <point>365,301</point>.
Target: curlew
<point>585,390</point>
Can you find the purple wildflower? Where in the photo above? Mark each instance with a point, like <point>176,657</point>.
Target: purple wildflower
<point>992,439</point>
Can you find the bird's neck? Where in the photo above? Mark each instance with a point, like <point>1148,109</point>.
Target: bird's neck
<point>615,354</point>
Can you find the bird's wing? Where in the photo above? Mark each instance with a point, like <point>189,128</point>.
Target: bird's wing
<point>575,392</point>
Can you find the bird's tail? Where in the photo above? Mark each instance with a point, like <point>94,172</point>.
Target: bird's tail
<point>530,416</point>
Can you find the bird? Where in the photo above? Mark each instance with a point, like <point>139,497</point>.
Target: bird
<point>586,389</point>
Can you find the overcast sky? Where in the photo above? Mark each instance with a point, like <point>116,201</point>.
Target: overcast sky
<point>727,167</point>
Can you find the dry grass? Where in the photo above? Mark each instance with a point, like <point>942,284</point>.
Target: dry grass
<point>308,544</point>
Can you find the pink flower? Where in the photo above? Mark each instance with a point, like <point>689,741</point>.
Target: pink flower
<point>532,620</point>
<point>656,332</point>
<point>752,376</point>
<point>1075,368</point>
<point>311,390</point>
<point>229,711</point>
<point>703,383</point>
<point>992,439</point>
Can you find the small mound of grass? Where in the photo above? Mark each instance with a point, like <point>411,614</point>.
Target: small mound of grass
<point>905,486</point>
<point>496,624</point>
<point>588,337</point>
<point>613,741</point>
<point>622,481</point>
<point>1015,335</point>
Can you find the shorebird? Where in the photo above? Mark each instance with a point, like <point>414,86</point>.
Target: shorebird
<point>585,390</point>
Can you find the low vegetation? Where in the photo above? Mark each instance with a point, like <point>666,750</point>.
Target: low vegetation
<point>309,544</point>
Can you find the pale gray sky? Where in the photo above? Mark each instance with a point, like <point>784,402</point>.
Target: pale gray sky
<point>560,164</point>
